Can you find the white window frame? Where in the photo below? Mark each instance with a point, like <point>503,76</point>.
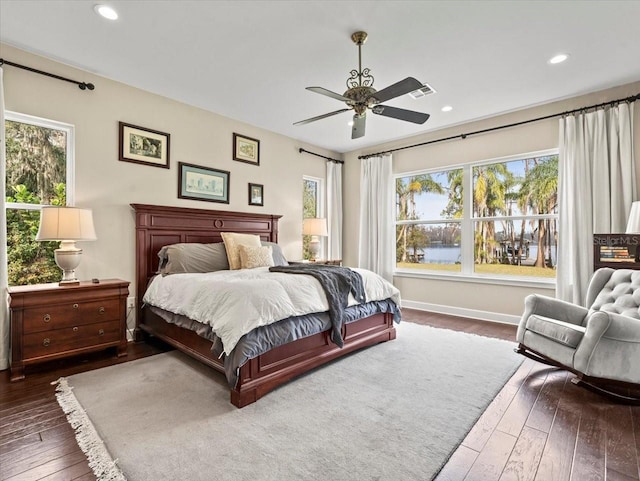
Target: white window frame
<point>70,150</point>
<point>467,273</point>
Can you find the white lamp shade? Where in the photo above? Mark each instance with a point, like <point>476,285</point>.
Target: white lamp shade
<point>633,226</point>
<point>65,223</point>
<point>314,226</point>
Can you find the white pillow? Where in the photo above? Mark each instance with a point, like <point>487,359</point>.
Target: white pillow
<point>252,257</point>
<point>232,242</point>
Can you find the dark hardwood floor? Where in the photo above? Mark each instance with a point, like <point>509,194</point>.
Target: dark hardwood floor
<point>540,427</point>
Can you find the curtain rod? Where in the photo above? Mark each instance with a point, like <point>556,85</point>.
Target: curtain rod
<point>633,98</point>
<point>323,156</point>
<point>81,85</point>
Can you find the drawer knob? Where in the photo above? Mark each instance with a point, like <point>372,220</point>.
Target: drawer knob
<point>75,329</point>
<point>46,342</point>
<point>101,310</point>
<point>101,332</point>
<point>46,318</point>
<point>75,306</point>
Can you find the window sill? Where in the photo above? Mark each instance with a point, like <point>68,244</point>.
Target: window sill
<point>479,279</point>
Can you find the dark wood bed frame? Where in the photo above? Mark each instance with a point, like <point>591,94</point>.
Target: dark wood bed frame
<point>157,226</point>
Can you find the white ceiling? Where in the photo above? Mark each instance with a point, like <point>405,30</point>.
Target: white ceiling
<point>251,60</point>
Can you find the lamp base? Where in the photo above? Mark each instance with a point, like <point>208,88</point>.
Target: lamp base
<point>314,248</point>
<point>68,259</point>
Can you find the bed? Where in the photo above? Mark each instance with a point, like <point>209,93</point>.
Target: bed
<point>158,226</point>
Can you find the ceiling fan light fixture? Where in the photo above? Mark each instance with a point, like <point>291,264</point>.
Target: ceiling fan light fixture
<point>361,96</point>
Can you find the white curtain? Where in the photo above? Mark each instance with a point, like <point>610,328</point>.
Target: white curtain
<point>334,210</point>
<point>377,237</point>
<point>4,307</point>
<point>596,186</point>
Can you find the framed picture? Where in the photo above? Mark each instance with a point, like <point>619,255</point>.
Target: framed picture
<point>246,149</point>
<point>256,194</point>
<point>144,146</point>
<point>202,183</point>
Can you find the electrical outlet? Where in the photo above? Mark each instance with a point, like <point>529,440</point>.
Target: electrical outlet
<point>131,302</point>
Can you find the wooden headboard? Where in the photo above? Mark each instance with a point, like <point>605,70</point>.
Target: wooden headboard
<point>158,226</point>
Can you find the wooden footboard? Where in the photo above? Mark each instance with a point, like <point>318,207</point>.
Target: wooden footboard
<point>279,365</point>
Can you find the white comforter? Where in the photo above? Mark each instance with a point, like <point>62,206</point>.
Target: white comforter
<point>235,302</point>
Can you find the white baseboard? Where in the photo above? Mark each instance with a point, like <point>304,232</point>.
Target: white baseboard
<point>462,312</point>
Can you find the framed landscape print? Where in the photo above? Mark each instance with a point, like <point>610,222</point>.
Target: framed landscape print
<point>256,194</point>
<point>144,146</point>
<point>246,149</point>
<point>202,183</point>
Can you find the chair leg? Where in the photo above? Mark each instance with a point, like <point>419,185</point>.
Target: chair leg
<point>526,353</point>
<point>581,379</point>
<point>614,396</point>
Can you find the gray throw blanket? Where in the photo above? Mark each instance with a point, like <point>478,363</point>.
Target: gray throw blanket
<point>337,283</point>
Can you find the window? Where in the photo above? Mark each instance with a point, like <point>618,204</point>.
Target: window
<point>495,218</point>
<point>311,207</point>
<point>39,167</point>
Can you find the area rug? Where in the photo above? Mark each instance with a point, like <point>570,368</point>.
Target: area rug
<point>395,411</point>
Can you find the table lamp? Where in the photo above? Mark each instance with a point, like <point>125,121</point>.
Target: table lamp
<point>315,227</point>
<point>68,225</point>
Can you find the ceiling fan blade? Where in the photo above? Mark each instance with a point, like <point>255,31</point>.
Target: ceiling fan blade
<point>397,89</point>
<point>329,93</point>
<point>402,114</point>
<point>359,123</point>
<point>320,117</point>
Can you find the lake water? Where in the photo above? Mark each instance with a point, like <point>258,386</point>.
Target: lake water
<point>451,255</point>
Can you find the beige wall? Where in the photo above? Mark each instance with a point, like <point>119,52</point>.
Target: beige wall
<point>471,296</point>
<point>108,186</point>
<point>199,137</point>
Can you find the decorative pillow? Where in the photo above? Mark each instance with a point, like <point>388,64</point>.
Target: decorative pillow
<point>232,242</point>
<point>278,256</point>
<point>179,258</point>
<point>252,257</point>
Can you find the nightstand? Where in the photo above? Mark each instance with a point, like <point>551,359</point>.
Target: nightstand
<point>50,322</point>
<point>328,262</point>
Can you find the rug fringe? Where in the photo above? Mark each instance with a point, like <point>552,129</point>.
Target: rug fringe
<point>100,461</point>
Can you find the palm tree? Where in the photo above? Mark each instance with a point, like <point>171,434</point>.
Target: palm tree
<point>406,190</point>
<point>489,195</point>
<point>541,188</point>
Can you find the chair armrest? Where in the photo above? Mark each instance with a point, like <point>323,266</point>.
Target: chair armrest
<point>622,328</point>
<point>552,308</point>
<point>604,326</point>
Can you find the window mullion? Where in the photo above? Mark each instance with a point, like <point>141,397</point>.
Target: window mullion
<point>467,222</point>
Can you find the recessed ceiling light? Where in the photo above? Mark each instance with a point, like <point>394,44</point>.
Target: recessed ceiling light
<point>447,108</point>
<point>561,57</point>
<point>106,11</point>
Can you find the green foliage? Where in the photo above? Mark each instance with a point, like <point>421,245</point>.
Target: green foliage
<point>309,210</point>
<point>30,261</point>
<point>36,174</point>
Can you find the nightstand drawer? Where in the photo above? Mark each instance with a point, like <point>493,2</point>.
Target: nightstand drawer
<point>69,315</point>
<point>60,340</point>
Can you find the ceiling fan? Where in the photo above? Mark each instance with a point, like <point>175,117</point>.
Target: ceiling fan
<point>361,95</point>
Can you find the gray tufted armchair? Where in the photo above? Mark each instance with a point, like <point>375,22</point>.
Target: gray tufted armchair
<point>600,342</point>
